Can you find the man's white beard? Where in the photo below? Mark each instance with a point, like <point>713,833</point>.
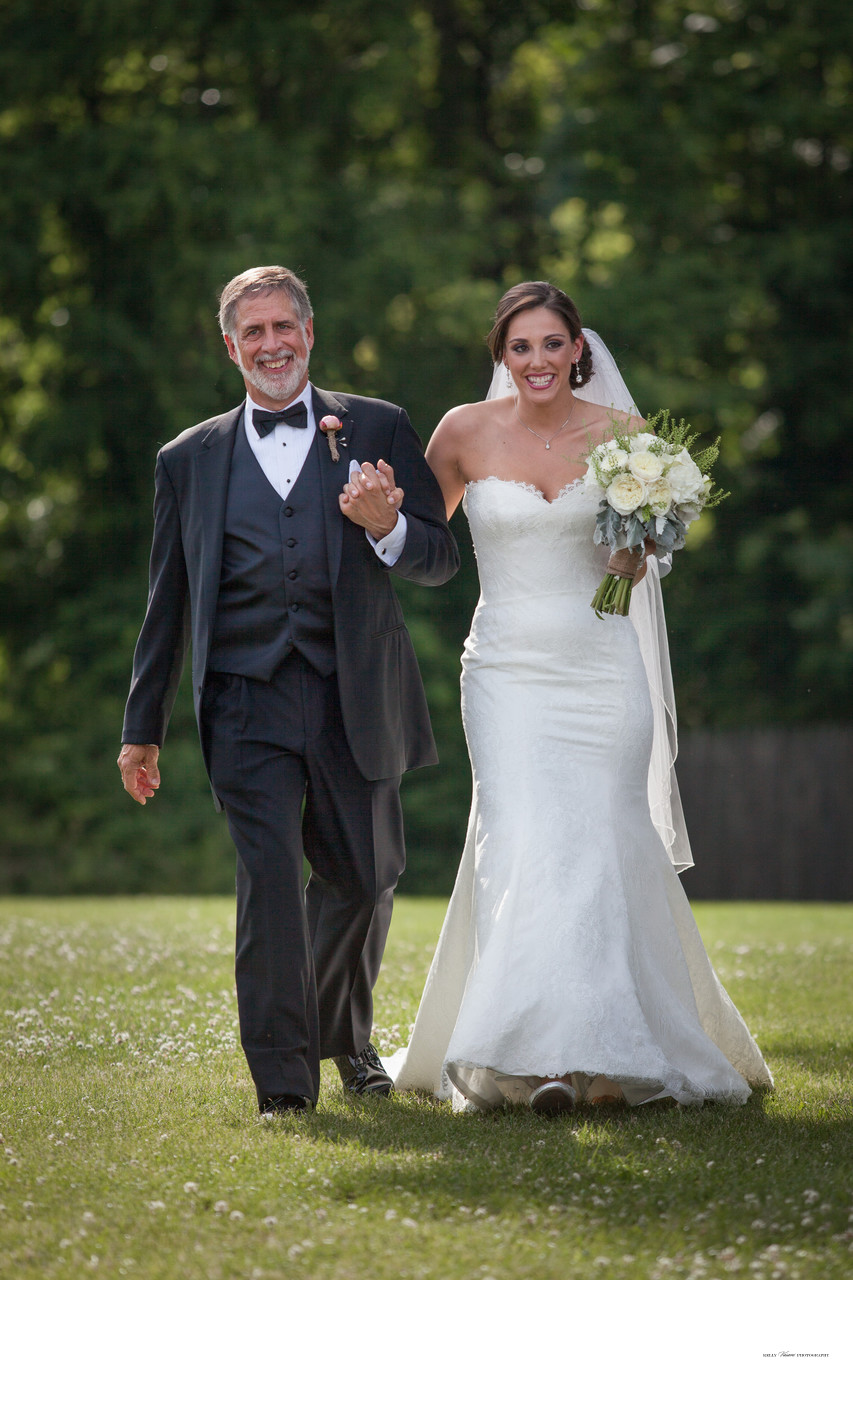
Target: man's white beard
<point>278,386</point>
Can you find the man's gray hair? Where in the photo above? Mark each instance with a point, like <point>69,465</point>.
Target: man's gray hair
<point>256,281</point>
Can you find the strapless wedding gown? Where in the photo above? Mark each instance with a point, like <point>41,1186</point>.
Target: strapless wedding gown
<point>568,946</point>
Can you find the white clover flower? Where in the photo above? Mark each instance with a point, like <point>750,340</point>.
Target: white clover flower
<point>156,1205</point>
<point>190,1186</point>
<point>220,1207</point>
<point>626,494</point>
<point>269,1221</point>
<point>236,1215</point>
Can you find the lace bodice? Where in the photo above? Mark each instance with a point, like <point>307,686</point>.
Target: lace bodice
<point>527,546</point>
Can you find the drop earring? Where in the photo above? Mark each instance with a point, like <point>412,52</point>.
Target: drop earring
<point>508,377</point>
<point>577,374</point>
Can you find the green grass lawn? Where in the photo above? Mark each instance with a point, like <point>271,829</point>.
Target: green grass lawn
<point>131,1147</point>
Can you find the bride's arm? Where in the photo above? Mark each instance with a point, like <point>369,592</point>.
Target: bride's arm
<point>444,457</point>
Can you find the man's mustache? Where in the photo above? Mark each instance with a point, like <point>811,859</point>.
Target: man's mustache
<point>272,356</point>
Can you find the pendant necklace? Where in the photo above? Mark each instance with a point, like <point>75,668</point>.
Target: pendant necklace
<point>549,439</point>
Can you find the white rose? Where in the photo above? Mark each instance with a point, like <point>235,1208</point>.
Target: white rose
<point>642,440</point>
<point>660,498</point>
<point>645,465</point>
<point>626,494</point>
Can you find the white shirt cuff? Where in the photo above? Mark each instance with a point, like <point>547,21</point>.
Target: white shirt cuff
<point>390,547</point>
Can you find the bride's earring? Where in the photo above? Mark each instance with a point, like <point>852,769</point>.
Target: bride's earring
<point>577,374</point>
<point>508,377</point>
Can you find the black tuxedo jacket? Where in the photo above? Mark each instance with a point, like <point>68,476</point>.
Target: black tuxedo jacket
<point>382,698</point>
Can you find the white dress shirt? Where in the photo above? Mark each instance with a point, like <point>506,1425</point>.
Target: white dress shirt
<point>281,455</point>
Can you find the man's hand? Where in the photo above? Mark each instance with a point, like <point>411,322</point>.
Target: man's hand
<point>139,772</point>
<point>371,500</point>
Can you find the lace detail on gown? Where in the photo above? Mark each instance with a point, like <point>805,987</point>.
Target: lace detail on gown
<point>568,946</point>
<point>528,486</point>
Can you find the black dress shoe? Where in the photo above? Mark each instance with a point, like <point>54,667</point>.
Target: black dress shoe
<point>284,1106</point>
<point>364,1075</point>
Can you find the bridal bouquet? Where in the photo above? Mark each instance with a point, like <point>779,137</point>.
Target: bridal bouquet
<point>653,487</point>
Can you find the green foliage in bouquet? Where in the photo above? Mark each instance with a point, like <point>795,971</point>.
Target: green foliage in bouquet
<point>680,433</point>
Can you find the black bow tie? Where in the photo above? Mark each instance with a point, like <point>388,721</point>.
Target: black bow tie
<point>264,421</point>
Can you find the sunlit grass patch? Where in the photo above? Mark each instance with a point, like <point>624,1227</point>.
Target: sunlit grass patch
<point>132,1148</point>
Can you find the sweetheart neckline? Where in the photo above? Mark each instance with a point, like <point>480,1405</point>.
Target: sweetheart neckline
<point>528,486</point>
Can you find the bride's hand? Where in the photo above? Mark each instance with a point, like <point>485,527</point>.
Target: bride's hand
<point>643,566</point>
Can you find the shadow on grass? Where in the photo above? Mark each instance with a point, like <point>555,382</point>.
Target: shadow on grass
<point>669,1160</point>
<point>443,1149</point>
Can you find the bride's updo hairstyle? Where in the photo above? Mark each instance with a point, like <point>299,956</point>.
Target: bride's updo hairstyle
<point>522,298</point>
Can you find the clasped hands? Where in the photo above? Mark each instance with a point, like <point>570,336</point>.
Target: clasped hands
<point>370,498</point>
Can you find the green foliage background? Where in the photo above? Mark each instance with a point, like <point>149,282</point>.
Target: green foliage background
<point>685,174</point>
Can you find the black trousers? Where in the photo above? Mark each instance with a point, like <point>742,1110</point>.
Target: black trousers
<point>307,958</point>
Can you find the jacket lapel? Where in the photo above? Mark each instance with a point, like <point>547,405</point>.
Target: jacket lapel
<point>333,474</point>
<point>211,470</point>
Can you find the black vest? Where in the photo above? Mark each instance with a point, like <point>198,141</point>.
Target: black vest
<point>274,589</point>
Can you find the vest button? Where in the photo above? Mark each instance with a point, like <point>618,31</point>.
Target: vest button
<point>292,574</point>
<point>290,541</point>
<point>294,607</point>
<point>288,510</point>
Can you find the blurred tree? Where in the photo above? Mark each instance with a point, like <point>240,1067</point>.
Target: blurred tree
<point>699,188</point>
<point>686,175</point>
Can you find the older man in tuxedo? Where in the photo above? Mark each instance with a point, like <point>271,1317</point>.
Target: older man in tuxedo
<point>276,528</point>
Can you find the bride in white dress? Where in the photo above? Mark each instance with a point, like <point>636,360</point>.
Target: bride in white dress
<point>569,966</point>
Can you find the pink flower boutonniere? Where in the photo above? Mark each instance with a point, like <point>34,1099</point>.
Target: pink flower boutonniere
<point>331,425</point>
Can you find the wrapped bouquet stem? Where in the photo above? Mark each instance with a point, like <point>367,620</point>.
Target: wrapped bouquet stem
<point>652,487</point>
<point>613,596</point>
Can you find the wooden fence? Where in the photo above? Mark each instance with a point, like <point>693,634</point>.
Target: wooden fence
<point>769,813</point>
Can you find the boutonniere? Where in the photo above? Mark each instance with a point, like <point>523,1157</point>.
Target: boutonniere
<point>331,425</point>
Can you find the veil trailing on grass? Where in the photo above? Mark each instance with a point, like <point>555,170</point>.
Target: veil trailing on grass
<point>606,388</point>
